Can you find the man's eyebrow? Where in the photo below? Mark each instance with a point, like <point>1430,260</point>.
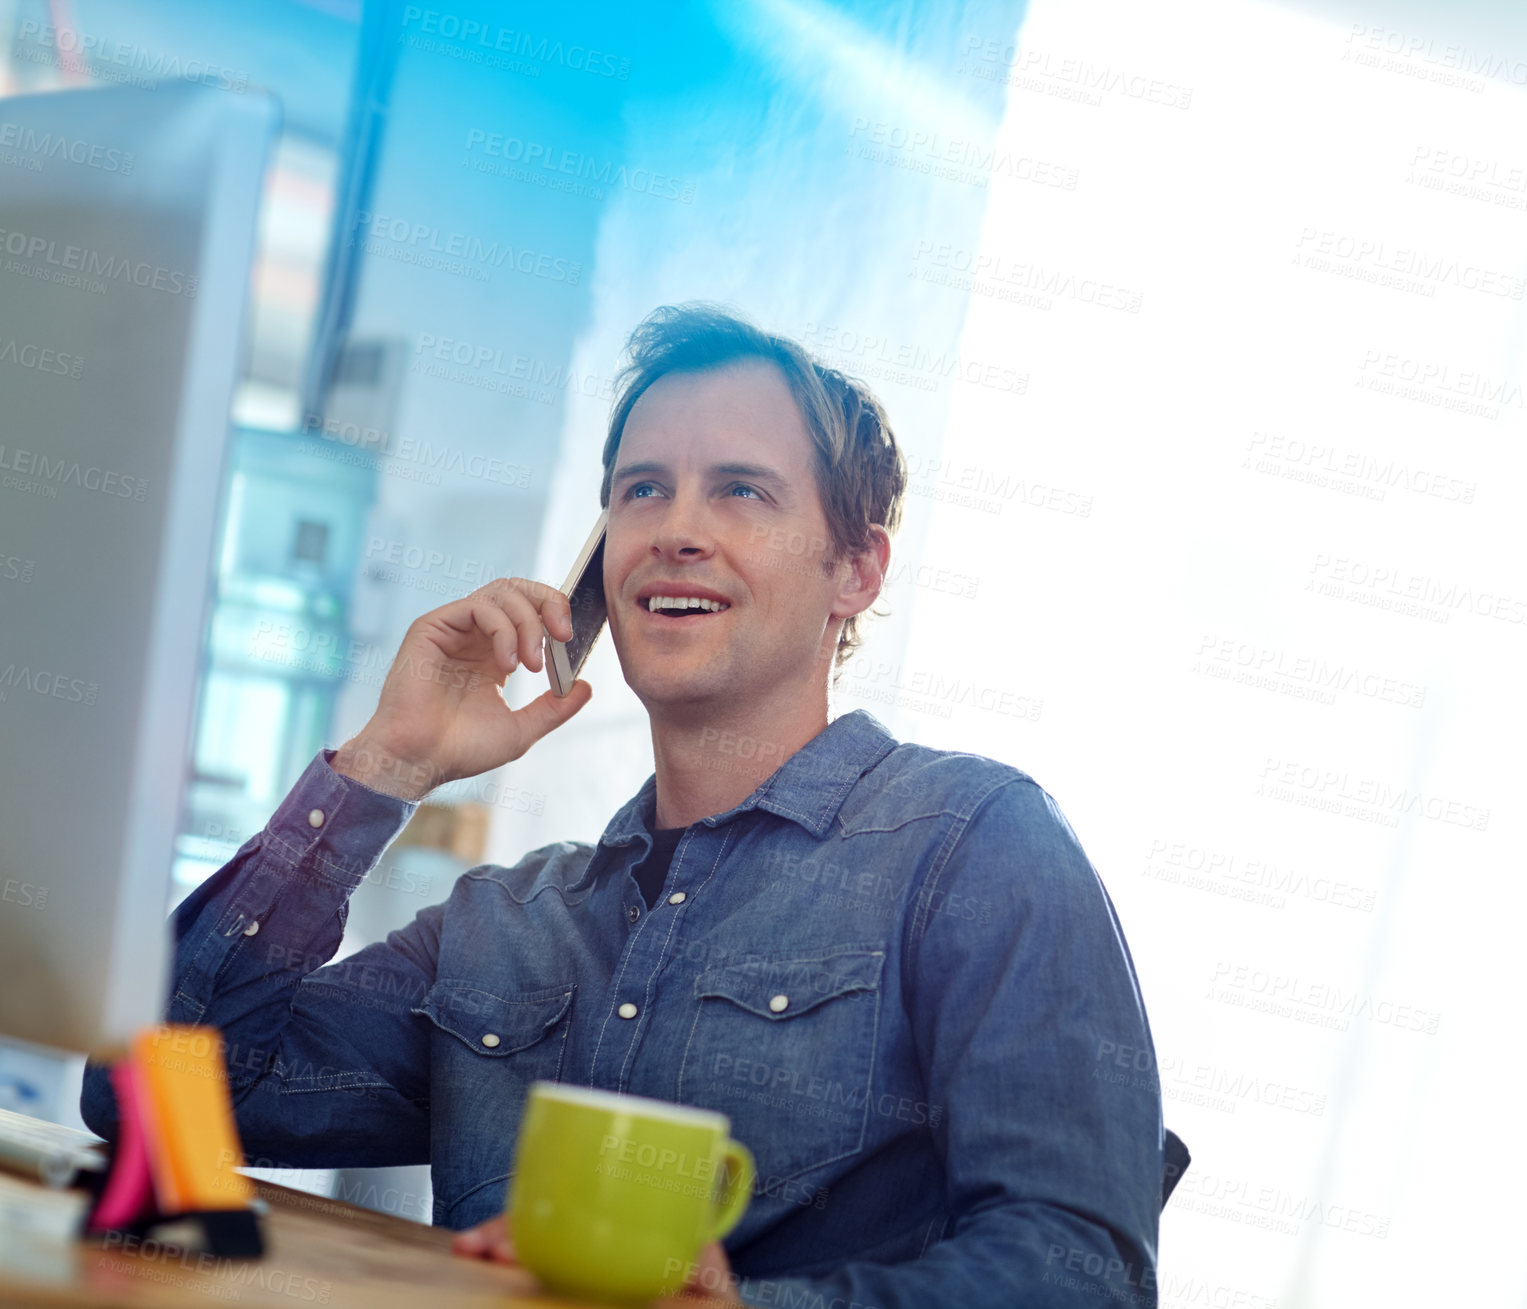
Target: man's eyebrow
<point>653,468</point>
<point>758,472</point>
<point>640,469</point>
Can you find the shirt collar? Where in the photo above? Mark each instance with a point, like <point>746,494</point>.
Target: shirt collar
<point>808,788</point>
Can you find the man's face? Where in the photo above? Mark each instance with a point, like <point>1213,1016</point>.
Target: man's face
<point>714,497</point>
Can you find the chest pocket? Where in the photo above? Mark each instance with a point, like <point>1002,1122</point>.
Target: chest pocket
<point>498,1026</point>
<point>786,1049</point>
<point>487,1049</point>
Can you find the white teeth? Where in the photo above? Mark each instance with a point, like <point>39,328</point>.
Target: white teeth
<point>658,602</point>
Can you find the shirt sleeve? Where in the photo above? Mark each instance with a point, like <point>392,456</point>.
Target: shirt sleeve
<point>1030,1028</point>
<point>327,1066</point>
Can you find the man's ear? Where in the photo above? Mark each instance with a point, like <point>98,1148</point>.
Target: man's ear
<point>865,576</point>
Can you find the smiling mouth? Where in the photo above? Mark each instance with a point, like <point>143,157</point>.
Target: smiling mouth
<point>684,607</point>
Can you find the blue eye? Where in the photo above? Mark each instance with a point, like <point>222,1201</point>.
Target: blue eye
<point>633,492</point>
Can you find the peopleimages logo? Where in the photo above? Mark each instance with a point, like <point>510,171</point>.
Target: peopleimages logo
<point>1318,464</point>
<point>111,60</point>
<point>418,459</point>
<point>1339,791</point>
<point>1389,586</point>
<point>470,37</point>
<point>544,164</point>
<point>1257,880</point>
<point>40,359</point>
<point>1080,79</point>
<point>42,254</point>
<point>986,272</point>
<point>53,473</point>
<point>1272,668</point>
<point>13,568</point>
<point>1320,1003</point>
<point>489,367</point>
<point>1451,63</point>
<point>420,243</point>
<point>37,146</point>
<point>979,161</point>
<point>1348,254</point>
<point>1441,385</point>
<point>48,684</point>
<point>913,365</point>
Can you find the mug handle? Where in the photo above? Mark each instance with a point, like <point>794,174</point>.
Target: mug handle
<point>739,1190</point>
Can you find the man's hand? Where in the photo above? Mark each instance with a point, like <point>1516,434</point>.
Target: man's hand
<point>710,1274</point>
<point>488,1240</point>
<point>440,715</point>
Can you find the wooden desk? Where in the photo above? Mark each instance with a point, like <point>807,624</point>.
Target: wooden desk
<point>318,1252</point>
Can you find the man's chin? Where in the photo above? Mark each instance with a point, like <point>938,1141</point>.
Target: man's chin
<point>673,691</point>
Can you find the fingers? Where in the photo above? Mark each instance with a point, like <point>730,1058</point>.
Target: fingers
<point>501,630</point>
<point>489,1240</point>
<point>473,1241</point>
<point>532,608</point>
<point>549,711</point>
<point>710,1276</point>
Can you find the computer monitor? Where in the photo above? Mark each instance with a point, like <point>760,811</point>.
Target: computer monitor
<point>127,224</point>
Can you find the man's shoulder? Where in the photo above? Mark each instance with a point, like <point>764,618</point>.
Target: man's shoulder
<point>918,781</point>
<point>559,864</point>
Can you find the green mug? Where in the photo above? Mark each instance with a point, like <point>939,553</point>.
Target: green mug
<point>614,1195</point>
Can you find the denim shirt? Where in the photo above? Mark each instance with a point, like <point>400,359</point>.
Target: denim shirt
<point>892,967</point>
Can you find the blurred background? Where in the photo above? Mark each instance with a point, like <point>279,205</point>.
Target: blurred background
<point>1202,328</point>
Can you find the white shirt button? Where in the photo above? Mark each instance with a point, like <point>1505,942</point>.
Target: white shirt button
<point>627,1010</point>
<point>315,818</point>
<point>676,898</point>
<point>490,1040</point>
<point>252,928</point>
<point>779,1003</point>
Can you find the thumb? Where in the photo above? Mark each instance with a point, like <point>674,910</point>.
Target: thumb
<point>710,1274</point>
<point>549,711</point>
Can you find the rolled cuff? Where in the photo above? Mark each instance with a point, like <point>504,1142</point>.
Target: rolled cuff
<point>334,824</point>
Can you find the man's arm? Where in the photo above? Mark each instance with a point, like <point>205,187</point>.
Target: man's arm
<point>249,942</point>
<point>332,1069</point>
<point>1051,1150</point>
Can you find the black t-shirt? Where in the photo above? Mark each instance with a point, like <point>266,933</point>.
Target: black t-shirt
<point>652,872</point>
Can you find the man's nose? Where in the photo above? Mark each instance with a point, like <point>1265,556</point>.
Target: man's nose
<point>684,530</point>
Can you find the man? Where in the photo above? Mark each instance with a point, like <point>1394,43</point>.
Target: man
<point>892,967</point>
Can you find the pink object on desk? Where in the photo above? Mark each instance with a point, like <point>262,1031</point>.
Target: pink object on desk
<point>129,1187</point>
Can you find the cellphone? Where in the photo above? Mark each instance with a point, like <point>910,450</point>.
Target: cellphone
<point>584,590</point>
